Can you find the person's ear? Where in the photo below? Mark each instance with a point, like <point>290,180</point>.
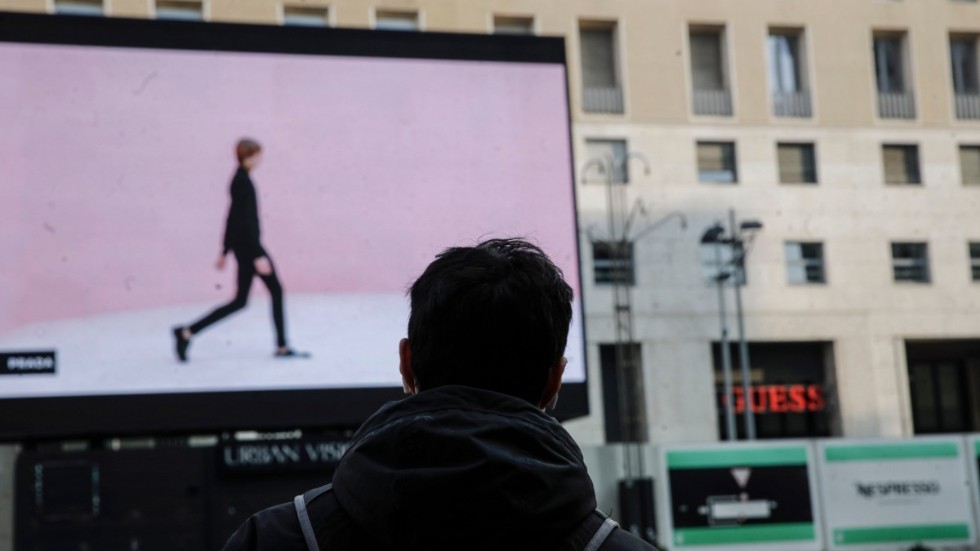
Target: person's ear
<point>405,367</point>
<point>549,398</point>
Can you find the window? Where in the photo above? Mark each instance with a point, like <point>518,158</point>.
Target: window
<point>513,25</point>
<point>612,262</point>
<point>970,164</point>
<point>791,389</point>
<point>716,162</point>
<point>966,83</point>
<point>974,250</point>
<point>306,16</point>
<point>390,20</point>
<point>944,384</point>
<point>618,362</point>
<point>601,92</point>
<point>963,57</point>
<point>901,164</point>
<point>895,99</point>
<point>804,262</point>
<point>910,262</point>
<point>889,63</point>
<point>187,10</point>
<point>787,74</point>
<point>709,79</point>
<point>78,7</point>
<point>797,163</point>
<point>613,151</point>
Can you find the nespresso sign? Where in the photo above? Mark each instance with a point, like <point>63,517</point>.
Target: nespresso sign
<point>780,398</point>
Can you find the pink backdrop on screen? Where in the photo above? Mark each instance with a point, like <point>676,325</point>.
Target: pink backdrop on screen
<point>115,166</point>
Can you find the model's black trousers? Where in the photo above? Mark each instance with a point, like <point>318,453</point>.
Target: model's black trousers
<point>246,273</point>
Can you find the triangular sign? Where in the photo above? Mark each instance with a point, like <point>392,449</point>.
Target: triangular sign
<point>741,476</point>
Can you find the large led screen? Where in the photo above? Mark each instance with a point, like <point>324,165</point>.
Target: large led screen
<point>378,150</point>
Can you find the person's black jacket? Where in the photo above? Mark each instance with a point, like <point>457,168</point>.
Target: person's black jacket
<point>242,227</point>
<point>451,468</point>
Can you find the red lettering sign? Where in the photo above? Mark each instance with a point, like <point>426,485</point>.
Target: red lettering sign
<point>779,398</point>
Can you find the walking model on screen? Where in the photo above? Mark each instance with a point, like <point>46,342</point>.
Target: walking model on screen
<point>242,239</point>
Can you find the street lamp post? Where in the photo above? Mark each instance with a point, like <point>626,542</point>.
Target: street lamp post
<point>712,235</point>
<point>737,241</point>
<point>620,237</point>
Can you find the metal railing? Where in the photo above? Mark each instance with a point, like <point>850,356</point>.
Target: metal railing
<point>791,104</point>
<point>896,105</point>
<point>602,100</point>
<point>713,102</point>
<point>968,106</point>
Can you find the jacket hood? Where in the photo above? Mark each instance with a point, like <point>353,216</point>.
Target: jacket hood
<point>462,468</point>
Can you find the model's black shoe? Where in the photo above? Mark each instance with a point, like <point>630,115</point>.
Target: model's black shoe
<point>290,353</point>
<point>181,343</point>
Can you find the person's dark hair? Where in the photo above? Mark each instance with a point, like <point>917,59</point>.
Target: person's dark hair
<point>246,148</point>
<point>494,316</point>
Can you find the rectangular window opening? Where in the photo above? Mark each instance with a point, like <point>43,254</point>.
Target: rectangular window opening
<point>394,20</point>
<point>797,163</point>
<point>970,164</point>
<point>305,15</point>
<point>79,7</point>
<point>503,24</point>
<point>901,164</point>
<point>716,162</point>
<point>805,262</point>
<point>612,262</point>
<point>185,10</point>
<point>601,88</point>
<point>910,262</point>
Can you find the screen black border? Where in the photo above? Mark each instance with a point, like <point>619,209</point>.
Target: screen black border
<point>27,419</point>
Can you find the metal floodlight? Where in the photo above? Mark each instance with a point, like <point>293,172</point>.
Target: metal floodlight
<point>713,234</point>
<point>750,225</point>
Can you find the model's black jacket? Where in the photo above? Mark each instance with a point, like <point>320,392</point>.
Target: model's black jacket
<point>242,227</point>
<point>452,468</point>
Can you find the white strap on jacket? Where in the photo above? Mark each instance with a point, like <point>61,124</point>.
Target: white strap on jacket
<point>601,534</point>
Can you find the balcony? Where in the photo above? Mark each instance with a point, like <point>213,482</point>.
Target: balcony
<point>791,104</point>
<point>967,106</point>
<point>896,105</point>
<point>713,102</point>
<point>602,100</point>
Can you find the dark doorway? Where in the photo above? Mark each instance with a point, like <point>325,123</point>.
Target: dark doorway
<point>944,383</point>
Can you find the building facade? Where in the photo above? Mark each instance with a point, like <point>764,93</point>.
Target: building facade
<point>848,129</point>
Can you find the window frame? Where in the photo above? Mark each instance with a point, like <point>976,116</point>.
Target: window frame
<point>730,154</point>
<point>906,162</point>
<point>605,268</point>
<point>820,262</point>
<point>910,263</point>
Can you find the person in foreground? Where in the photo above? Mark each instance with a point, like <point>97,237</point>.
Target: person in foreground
<point>469,461</point>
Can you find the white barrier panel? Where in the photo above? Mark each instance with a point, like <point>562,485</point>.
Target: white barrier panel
<point>973,465</point>
<point>892,494</point>
<point>739,496</point>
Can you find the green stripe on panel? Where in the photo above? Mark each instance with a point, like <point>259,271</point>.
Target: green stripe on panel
<point>760,457</point>
<point>911,534</point>
<point>921,450</point>
<point>803,531</point>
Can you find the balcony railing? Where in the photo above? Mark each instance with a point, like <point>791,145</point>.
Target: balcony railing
<point>602,100</point>
<point>968,106</point>
<point>713,102</point>
<point>896,105</point>
<point>791,104</point>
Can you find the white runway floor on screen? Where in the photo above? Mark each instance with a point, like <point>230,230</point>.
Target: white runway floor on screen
<point>353,340</point>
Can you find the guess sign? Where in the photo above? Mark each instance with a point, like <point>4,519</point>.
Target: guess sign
<point>780,398</point>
